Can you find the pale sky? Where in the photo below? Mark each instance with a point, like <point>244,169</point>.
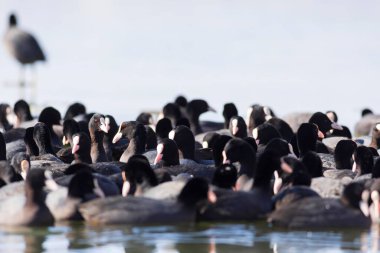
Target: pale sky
<point>120,57</point>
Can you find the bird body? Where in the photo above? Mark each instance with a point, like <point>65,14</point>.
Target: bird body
<point>135,210</point>
<point>318,212</point>
<point>22,45</point>
<point>27,209</point>
<point>140,210</point>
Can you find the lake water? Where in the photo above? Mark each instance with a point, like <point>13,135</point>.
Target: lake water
<point>200,237</point>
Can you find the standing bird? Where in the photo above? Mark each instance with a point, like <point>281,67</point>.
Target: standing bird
<point>22,46</point>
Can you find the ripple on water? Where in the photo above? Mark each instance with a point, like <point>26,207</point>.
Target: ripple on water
<point>202,237</point>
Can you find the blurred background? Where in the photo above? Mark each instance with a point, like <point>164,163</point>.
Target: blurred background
<point>122,57</point>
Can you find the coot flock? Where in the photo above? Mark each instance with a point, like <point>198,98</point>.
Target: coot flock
<point>303,170</point>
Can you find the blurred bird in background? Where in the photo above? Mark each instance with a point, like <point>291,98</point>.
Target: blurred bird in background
<point>25,49</point>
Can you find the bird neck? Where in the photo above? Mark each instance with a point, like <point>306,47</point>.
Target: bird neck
<point>33,197</point>
<point>12,21</point>
<point>136,146</point>
<point>31,149</point>
<point>247,167</point>
<point>97,148</point>
<point>170,161</point>
<point>186,153</point>
<point>375,142</point>
<point>3,152</point>
<point>195,126</point>
<point>342,161</point>
<point>306,145</point>
<point>97,137</point>
<point>227,122</point>
<point>45,148</point>
<point>83,158</point>
<point>265,187</point>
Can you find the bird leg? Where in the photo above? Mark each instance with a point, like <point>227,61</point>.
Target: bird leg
<point>22,82</point>
<point>33,84</point>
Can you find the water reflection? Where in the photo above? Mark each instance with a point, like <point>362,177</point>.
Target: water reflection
<point>22,239</point>
<point>203,237</point>
<point>322,241</point>
<point>370,241</point>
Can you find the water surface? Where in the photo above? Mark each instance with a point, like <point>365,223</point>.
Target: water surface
<point>200,237</point>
